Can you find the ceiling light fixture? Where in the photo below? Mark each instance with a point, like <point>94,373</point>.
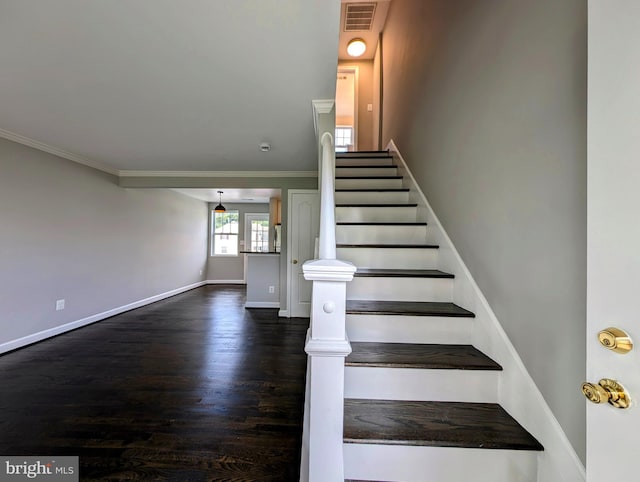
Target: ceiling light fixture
<point>356,47</point>
<point>220,208</point>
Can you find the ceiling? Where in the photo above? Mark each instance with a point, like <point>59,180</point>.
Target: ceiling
<point>232,195</point>
<point>168,85</point>
<point>370,35</point>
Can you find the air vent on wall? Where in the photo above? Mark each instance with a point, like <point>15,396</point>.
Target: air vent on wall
<point>359,16</point>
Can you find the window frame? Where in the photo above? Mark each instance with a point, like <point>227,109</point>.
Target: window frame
<point>229,234</point>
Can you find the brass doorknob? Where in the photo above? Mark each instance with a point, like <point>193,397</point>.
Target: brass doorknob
<point>295,261</point>
<point>607,391</point>
<point>615,340</point>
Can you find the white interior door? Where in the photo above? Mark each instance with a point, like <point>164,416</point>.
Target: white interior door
<point>304,223</point>
<point>613,253</point>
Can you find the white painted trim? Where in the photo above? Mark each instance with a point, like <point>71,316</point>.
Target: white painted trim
<point>268,174</point>
<point>41,146</point>
<point>322,348</point>
<point>262,304</point>
<point>283,314</point>
<point>321,107</point>
<point>226,282</point>
<point>328,270</point>
<point>58,330</point>
<point>520,396</point>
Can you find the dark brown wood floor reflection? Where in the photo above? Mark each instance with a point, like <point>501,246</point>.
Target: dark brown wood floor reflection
<point>191,388</point>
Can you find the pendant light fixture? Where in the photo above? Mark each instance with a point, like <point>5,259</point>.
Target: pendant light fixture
<point>220,208</point>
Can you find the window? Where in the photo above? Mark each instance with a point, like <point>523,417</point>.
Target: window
<point>257,232</point>
<point>343,138</point>
<point>224,233</point>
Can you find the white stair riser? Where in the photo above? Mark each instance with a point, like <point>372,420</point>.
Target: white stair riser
<point>372,197</point>
<point>410,329</point>
<point>438,464</point>
<point>400,258</point>
<point>364,161</point>
<point>368,183</point>
<point>382,383</point>
<point>376,214</point>
<point>366,171</point>
<point>400,289</point>
<point>382,234</point>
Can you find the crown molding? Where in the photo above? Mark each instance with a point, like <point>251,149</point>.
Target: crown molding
<point>41,146</point>
<point>218,173</point>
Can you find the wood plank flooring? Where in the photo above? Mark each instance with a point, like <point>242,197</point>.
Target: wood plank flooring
<point>192,388</point>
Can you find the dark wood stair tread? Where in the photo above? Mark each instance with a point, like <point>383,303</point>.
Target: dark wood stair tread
<point>384,223</point>
<point>367,166</point>
<point>368,177</point>
<point>402,273</point>
<point>379,205</point>
<point>381,189</point>
<point>352,154</point>
<point>390,246</point>
<point>413,355</point>
<point>435,424</point>
<point>409,308</point>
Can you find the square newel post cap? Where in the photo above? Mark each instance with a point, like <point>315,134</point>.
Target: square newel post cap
<point>328,270</point>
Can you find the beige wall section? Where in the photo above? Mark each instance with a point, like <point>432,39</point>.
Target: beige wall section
<point>231,268</point>
<point>70,232</point>
<point>488,106</point>
<point>365,96</point>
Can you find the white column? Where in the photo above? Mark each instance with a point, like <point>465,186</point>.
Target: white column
<point>327,346</point>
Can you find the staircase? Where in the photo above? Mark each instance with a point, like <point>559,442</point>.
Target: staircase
<point>420,400</point>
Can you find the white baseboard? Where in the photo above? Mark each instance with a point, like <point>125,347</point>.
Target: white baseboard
<point>283,314</point>
<point>226,282</point>
<point>262,304</point>
<point>58,330</point>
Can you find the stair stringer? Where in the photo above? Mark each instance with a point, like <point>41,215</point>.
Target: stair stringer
<point>517,392</point>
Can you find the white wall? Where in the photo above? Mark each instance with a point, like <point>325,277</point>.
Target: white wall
<point>70,232</point>
<point>487,102</point>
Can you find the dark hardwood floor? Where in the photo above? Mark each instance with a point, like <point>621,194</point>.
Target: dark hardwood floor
<point>192,388</point>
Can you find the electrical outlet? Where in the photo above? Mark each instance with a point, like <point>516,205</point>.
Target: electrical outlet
<point>59,305</point>
<point>272,289</point>
<point>200,272</point>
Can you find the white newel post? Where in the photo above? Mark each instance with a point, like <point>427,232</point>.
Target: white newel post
<point>327,344</point>
<point>327,347</point>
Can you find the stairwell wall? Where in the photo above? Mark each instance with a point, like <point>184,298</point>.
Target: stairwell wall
<point>487,102</point>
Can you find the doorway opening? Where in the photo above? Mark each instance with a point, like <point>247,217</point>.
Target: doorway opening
<point>346,136</point>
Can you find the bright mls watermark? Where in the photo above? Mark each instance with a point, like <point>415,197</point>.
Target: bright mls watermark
<point>52,469</point>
